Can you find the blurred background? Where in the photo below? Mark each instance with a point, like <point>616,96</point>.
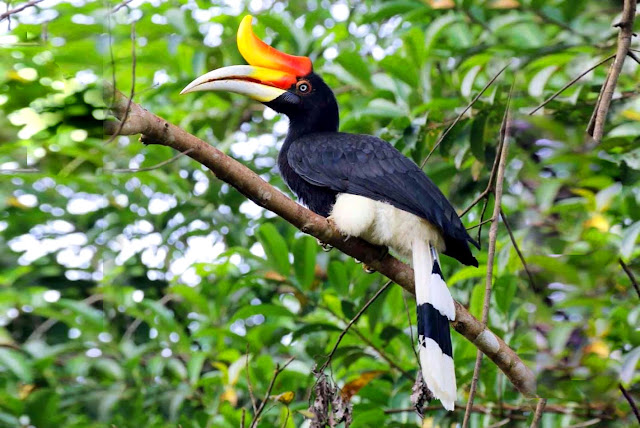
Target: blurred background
<point>133,294</point>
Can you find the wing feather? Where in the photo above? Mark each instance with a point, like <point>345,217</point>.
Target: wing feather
<point>368,166</point>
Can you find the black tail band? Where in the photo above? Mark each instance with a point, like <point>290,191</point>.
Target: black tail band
<point>432,324</point>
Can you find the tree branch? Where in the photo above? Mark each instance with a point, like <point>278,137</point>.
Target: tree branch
<point>277,372</point>
<point>542,403</point>
<point>493,237</point>
<point>473,101</point>
<point>631,276</point>
<point>20,8</point>
<point>156,130</point>
<point>353,321</point>
<point>624,41</point>
<point>571,83</point>
<point>632,403</point>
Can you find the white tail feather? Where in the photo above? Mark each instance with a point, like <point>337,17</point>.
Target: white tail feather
<point>422,265</point>
<point>437,367</point>
<point>438,372</point>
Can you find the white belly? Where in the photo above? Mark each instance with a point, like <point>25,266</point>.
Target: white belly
<point>383,224</point>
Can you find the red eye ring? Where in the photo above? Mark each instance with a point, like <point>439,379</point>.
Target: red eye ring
<point>303,87</point>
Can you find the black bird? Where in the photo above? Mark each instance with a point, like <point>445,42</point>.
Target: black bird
<point>362,183</point>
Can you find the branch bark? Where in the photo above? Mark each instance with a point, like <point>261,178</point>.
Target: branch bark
<point>156,130</point>
<point>493,237</point>
<point>624,41</point>
<point>19,8</point>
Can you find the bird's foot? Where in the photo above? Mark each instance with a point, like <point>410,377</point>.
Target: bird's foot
<point>368,269</point>
<point>325,247</point>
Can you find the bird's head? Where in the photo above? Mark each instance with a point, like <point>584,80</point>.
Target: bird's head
<point>286,83</point>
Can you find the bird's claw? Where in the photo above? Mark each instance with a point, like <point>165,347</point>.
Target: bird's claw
<point>325,247</point>
<point>368,269</point>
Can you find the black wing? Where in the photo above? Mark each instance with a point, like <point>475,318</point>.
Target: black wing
<point>368,166</point>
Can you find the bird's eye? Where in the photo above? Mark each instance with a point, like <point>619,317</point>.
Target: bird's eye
<point>303,87</point>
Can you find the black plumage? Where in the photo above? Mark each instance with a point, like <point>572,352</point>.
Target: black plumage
<point>367,166</point>
<point>318,163</point>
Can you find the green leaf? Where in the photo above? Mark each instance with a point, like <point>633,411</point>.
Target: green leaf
<point>17,364</point>
<point>275,248</point>
<point>477,301</point>
<point>194,367</point>
<point>504,291</point>
<point>338,277</point>
<point>305,249</point>
<point>629,238</point>
<point>629,365</point>
<point>266,309</point>
<point>476,137</point>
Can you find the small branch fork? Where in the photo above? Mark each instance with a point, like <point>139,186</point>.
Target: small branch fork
<point>156,130</point>
<point>476,98</point>
<point>20,8</point>
<point>493,236</point>
<point>279,369</point>
<point>598,120</point>
<point>352,322</point>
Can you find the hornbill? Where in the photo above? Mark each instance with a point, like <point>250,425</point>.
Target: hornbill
<point>361,183</point>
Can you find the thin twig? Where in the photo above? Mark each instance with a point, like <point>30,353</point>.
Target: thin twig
<point>594,113</point>
<point>253,398</point>
<point>588,423</point>
<point>500,423</point>
<point>381,352</point>
<point>133,83</point>
<point>150,168</point>
<point>244,415</point>
<point>254,422</point>
<point>473,101</point>
<point>571,83</point>
<point>632,403</point>
<point>406,308</point>
<point>120,6</point>
<point>19,171</point>
<point>493,236</point>
<point>479,224</point>
<point>8,13</point>
<point>489,188</point>
<point>631,276</point>
<point>542,403</point>
<point>350,323</point>
<point>517,248</point>
<point>633,56</point>
<point>624,41</point>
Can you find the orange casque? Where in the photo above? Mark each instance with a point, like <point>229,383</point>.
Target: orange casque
<point>259,54</point>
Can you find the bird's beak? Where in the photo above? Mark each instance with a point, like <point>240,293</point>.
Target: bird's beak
<point>270,75</point>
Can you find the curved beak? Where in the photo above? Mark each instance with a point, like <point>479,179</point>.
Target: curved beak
<point>270,75</point>
<point>261,84</point>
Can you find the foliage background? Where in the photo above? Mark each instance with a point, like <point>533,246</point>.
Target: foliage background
<point>133,298</point>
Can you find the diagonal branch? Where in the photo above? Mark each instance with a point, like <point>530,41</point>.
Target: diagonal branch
<point>493,237</point>
<point>276,373</point>
<point>352,322</point>
<point>473,101</point>
<point>156,130</point>
<point>631,276</point>
<point>571,83</point>
<point>20,8</point>
<point>624,41</point>
<point>632,403</point>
